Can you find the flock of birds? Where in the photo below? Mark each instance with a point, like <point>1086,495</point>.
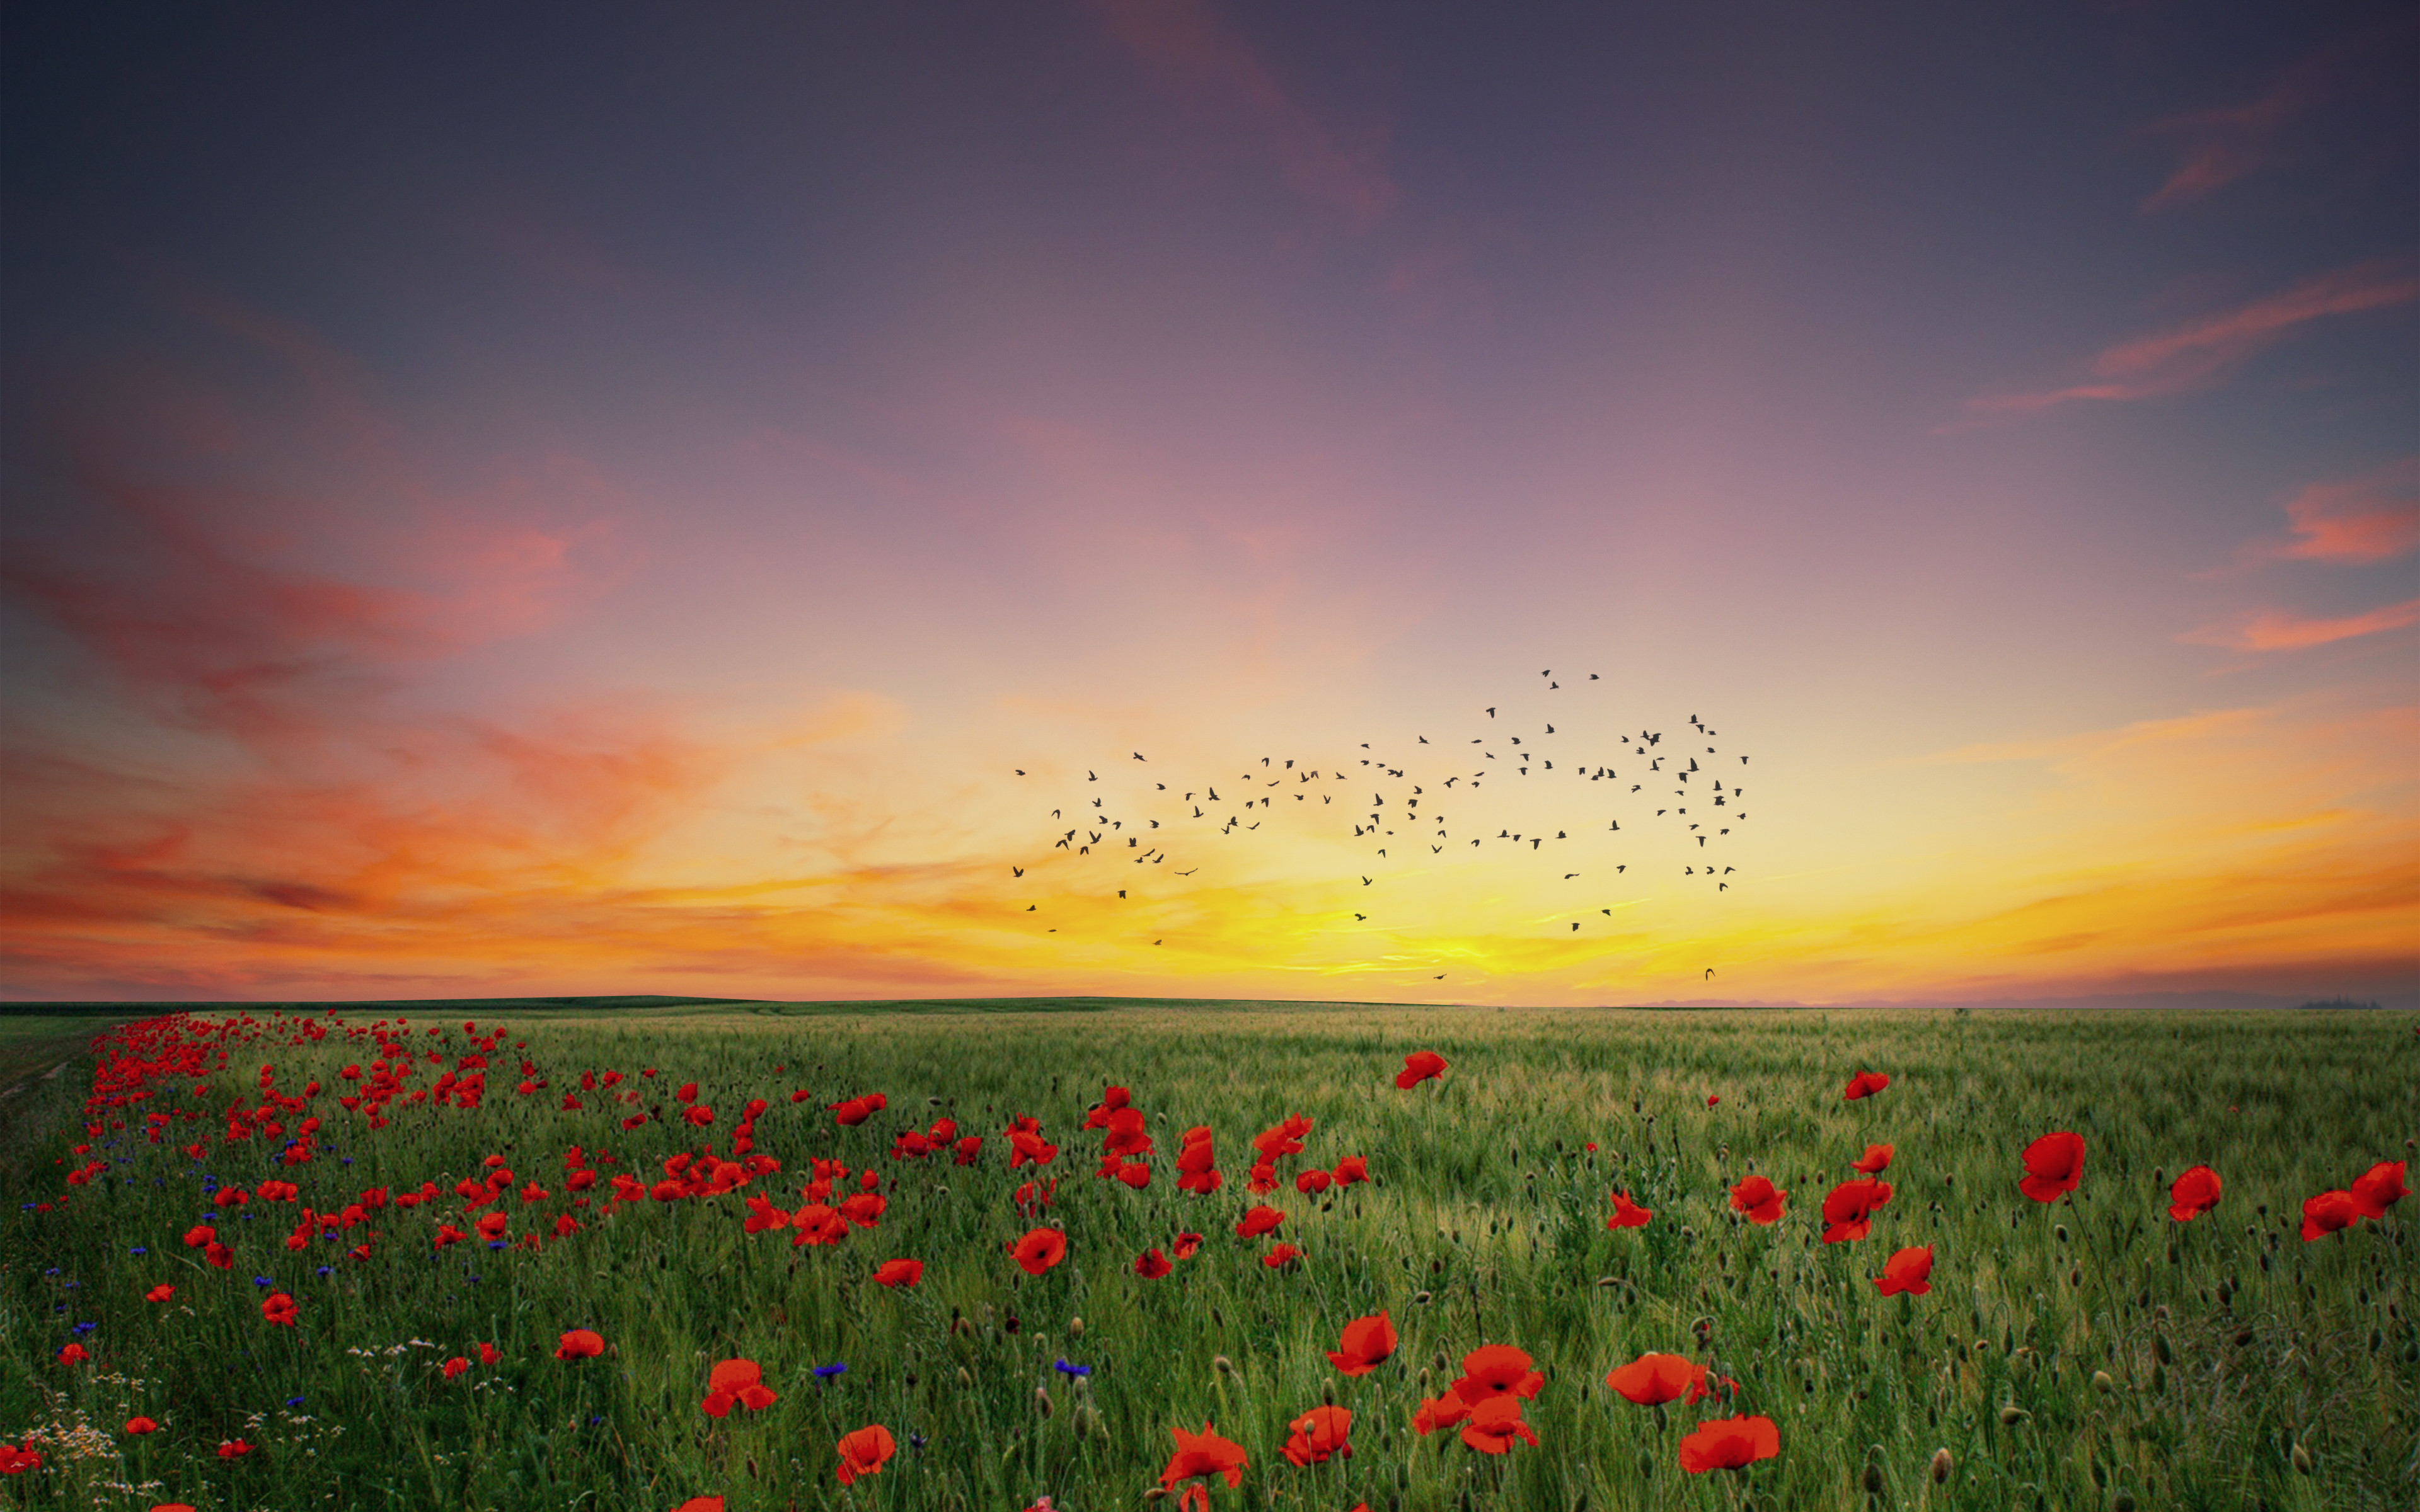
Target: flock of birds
<point>1422,805</point>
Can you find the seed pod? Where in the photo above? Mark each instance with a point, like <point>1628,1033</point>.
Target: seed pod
<point>1872,1479</point>
<point>2103,1382</point>
<point>1328,1392</point>
<point>1075,1328</point>
<point>1942,1465</point>
<point>2012,1414</point>
<point>1225,1366</point>
<point>1419,1299</point>
<point>1042,1401</point>
<point>2059,1231</point>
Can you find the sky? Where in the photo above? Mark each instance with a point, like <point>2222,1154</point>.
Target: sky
<point>700,500</point>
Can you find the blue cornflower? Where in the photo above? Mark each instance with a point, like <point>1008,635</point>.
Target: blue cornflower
<point>293,1401</point>
<point>327,1270</point>
<point>1067,1370</point>
<point>263,1281</point>
<point>86,1328</point>
<point>825,1372</point>
<point>497,1243</point>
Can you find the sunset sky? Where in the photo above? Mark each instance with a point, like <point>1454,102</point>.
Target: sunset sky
<point>585,499</point>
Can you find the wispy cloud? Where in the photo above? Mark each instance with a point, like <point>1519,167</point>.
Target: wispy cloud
<point>2270,629</point>
<point>2224,146</point>
<point>1188,43</point>
<point>2201,352</point>
<point>2352,521</point>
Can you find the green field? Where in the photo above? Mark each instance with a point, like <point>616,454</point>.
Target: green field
<point>2085,1354</point>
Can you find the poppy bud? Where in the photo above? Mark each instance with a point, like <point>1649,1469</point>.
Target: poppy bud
<point>2159,1378</point>
<point>1075,1328</point>
<point>2059,1231</point>
<point>1942,1465</point>
<point>1225,1366</point>
<point>1420,1299</point>
<point>2012,1414</point>
<point>2160,1349</point>
<point>965,1380</point>
<point>1872,1479</point>
<point>2302,1457</point>
<point>2122,1501</point>
<point>1327,1393</point>
<point>1042,1401</point>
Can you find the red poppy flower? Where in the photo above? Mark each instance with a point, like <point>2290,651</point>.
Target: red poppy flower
<point>1443,1413</point>
<point>737,1383</point>
<point>818,1223</point>
<point>687,1092</point>
<point>1352,1168</point>
<point>1261,1220</point>
<point>490,1354</point>
<point>2327,1213</point>
<point>1654,1378</point>
<point>864,1452</point>
<point>1626,1213</point>
<point>234,1449</point>
<point>2193,1194</point>
<point>1152,1265</point>
<point>279,1308</point>
<point>1713,1098</point>
<point>1420,1066</point>
<point>1187,1246</point>
<point>1312,1182</point>
<point>1847,1209</point>
<point>1757,1198</point>
<point>16,1461</point>
<point>1039,1250</point>
<point>1875,1160</point>
<point>581,1344</point>
<point>2380,1188</point>
<point>1865,1084</point>
<point>456,1367</point>
<point>1496,1370</point>
<point>899,1273</point>
<point>1730,1443</point>
<point>701,1503</point>
<point>73,1354</point>
<point>700,1115</point>
<point>1366,1341</point>
<point>141,1425</point>
<point>2054,1166</point>
<point>1319,1435</point>
<point>159,1293</point>
<point>492,1225</point>
<point>1493,1424</point>
<point>1909,1270</point>
<point>1201,1454</point>
<point>1281,1255</point>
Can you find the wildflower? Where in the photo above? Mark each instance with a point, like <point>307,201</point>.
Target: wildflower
<point>159,1293</point>
<point>1152,1265</point>
<point>2327,1213</point>
<point>2193,1194</point>
<point>1071,1371</point>
<point>1199,1455</point>
<point>1281,1255</point>
<point>865,1451</point>
<point>1757,1198</point>
<point>738,1381</point>
<point>825,1372</point>
<point>2054,1166</point>
<point>1494,1424</point>
<point>141,1426</point>
<point>1865,1084</point>
<point>1039,1250</point>
<point>1319,1435</point>
<point>234,1449</point>
<point>279,1308</point>
<point>1626,1213</point>
<point>1909,1270</point>
<point>1366,1341</point>
<point>1875,1160</point>
<point>899,1273</point>
<point>1496,1370</point>
<point>1730,1443</point>
<point>581,1344</point>
<point>2380,1188</point>
<point>1654,1378</point>
<point>73,1354</point>
<point>456,1367</point>
<point>1847,1209</point>
<point>1420,1066</point>
<point>1261,1220</point>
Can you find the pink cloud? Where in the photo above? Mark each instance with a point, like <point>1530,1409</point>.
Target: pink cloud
<point>2223,146</point>
<point>1186,41</point>
<point>2201,352</point>
<point>2280,630</point>
<point>2372,517</point>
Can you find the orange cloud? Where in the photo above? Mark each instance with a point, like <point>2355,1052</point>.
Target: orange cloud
<point>2201,352</point>
<point>1187,42</point>
<point>2223,146</point>
<point>2374,518</point>
<point>2271,629</point>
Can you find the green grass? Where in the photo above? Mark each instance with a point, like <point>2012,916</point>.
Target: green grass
<point>1484,1225</point>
